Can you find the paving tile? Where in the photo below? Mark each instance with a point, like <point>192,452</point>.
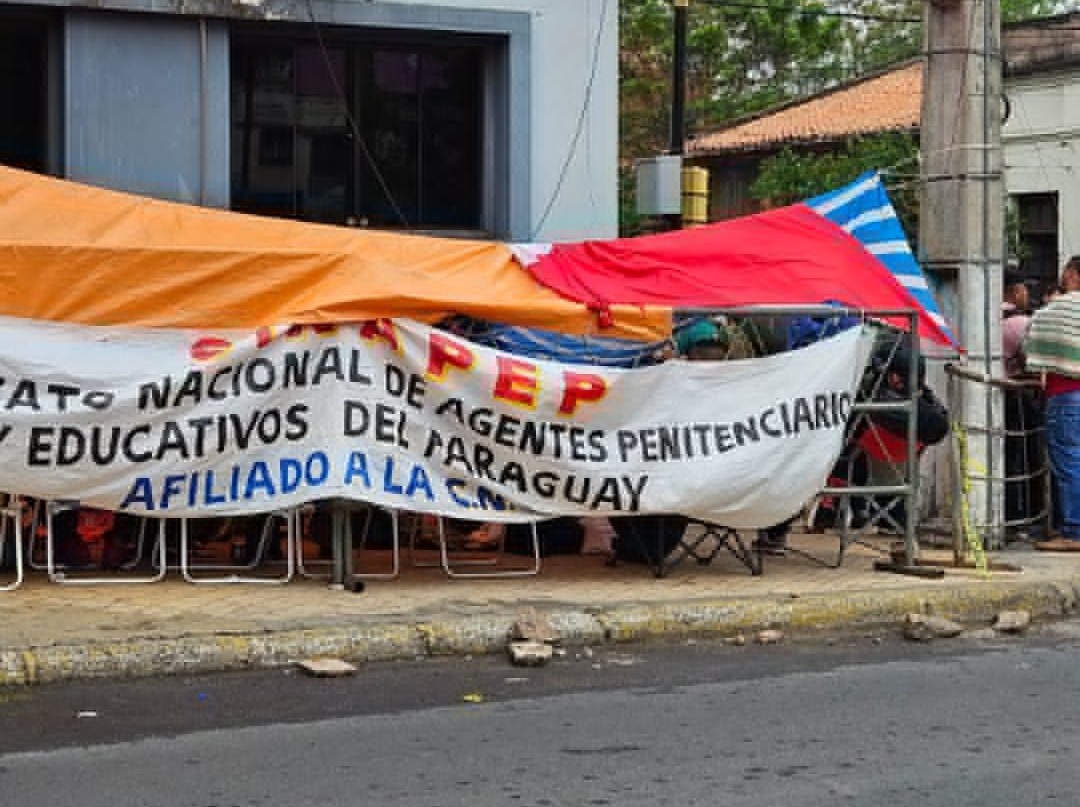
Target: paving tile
<point>41,614</point>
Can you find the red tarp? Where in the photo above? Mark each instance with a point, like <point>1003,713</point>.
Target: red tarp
<point>788,256</point>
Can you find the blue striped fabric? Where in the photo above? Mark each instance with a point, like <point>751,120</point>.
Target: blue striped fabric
<point>864,211</point>
<point>541,344</point>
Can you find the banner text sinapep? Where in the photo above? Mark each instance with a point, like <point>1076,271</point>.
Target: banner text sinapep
<point>173,423</point>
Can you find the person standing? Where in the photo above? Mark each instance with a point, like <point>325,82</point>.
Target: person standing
<point>1070,275</point>
<point>1053,349</point>
<point>1023,414</point>
<point>1015,319</point>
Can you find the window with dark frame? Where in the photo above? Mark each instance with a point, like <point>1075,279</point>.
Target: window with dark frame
<point>24,141</point>
<point>1038,236</point>
<point>388,134</point>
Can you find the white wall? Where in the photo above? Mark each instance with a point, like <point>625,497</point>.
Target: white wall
<point>563,177</point>
<point>1041,141</point>
<point>133,107</point>
<point>564,36</point>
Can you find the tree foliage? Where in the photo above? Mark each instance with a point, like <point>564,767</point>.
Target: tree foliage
<point>792,176</point>
<point>644,77</point>
<point>745,56</point>
<point>741,58</point>
<point>1015,10</point>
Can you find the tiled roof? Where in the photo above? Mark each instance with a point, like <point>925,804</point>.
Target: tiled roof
<point>885,102</point>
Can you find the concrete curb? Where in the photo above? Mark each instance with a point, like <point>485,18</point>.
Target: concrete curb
<point>802,616</point>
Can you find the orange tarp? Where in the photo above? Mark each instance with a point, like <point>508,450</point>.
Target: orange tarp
<point>76,253</point>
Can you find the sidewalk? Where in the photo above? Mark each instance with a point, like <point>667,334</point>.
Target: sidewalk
<point>53,632</point>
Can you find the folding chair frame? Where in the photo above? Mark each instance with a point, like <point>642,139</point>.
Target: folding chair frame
<point>12,512</point>
<point>725,538</point>
<point>395,570</point>
<point>289,517</point>
<point>61,574</point>
<point>444,557</point>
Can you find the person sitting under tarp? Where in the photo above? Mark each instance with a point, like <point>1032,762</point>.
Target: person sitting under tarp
<point>797,332</point>
<point>650,539</point>
<point>757,335</point>
<point>876,447</point>
<point>89,536</point>
<point>718,339</point>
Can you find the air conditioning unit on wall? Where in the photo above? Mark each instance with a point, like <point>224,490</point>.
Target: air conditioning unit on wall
<point>659,185</point>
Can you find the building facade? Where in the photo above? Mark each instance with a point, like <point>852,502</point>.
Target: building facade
<point>474,117</point>
<point>1040,139</point>
<point>880,103</point>
<point>1041,142</point>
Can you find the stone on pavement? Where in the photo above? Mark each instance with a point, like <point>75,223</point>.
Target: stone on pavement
<point>923,628</point>
<point>532,626</point>
<point>769,637</point>
<point>327,667</point>
<point>527,653</point>
<point>58,633</point>
<point>1012,621</point>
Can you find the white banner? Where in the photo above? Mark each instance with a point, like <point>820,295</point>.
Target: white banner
<point>177,423</point>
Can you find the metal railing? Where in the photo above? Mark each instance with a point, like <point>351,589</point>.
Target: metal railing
<point>906,486</point>
<point>1025,476</point>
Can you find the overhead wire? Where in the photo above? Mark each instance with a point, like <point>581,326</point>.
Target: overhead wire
<point>355,129</point>
<point>586,102</point>
<point>809,12</point>
<point>961,90</point>
<point>579,127</point>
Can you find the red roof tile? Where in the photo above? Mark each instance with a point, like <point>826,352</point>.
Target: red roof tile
<point>884,102</point>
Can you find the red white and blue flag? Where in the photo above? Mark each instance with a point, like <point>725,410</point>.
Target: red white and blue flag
<point>863,210</point>
<point>844,247</point>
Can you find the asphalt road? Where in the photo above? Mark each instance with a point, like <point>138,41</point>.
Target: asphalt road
<point>856,722</point>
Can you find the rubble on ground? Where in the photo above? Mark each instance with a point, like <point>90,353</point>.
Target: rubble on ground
<point>531,639</point>
<point>924,628</point>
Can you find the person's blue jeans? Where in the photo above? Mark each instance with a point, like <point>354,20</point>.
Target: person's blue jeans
<point>1063,446</point>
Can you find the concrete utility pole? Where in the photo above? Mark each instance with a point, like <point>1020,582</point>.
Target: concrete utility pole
<point>961,234</point>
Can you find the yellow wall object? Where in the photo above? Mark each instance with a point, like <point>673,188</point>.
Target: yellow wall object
<point>695,195</point>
